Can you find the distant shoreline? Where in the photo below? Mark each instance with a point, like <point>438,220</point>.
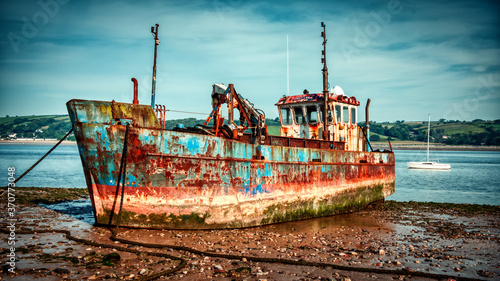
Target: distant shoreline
<point>37,142</point>
<point>436,147</point>
<point>375,145</point>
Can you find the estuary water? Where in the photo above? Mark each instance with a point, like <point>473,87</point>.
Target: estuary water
<point>474,176</point>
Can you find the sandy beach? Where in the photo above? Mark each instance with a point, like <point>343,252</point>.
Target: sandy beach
<point>389,241</point>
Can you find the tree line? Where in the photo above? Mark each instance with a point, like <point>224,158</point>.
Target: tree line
<point>488,132</point>
<point>476,132</point>
<point>32,127</point>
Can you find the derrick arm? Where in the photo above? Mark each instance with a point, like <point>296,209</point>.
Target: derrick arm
<point>250,117</point>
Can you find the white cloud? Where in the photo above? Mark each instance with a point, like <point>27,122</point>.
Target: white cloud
<point>91,50</point>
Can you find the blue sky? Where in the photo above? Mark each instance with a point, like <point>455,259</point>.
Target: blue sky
<point>411,58</point>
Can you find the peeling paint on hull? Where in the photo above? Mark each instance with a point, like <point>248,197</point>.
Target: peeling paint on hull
<point>178,180</point>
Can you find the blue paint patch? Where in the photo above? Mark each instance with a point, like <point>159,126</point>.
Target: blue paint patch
<point>302,156</point>
<point>257,189</point>
<point>193,144</point>
<point>269,171</point>
<point>82,116</point>
<point>325,168</point>
<point>147,137</point>
<point>132,180</point>
<point>264,151</point>
<point>104,137</point>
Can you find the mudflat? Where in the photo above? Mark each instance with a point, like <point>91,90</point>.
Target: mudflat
<point>385,241</point>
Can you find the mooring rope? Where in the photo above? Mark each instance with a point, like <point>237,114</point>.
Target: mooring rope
<point>121,175</point>
<point>183,262</point>
<point>68,235</point>
<point>189,112</point>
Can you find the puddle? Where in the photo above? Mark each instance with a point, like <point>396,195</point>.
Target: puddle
<point>325,223</point>
<point>78,209</point>
<point>368,239</point>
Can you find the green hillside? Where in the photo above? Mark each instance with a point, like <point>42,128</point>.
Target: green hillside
<point>41,126</point>
<point>56,126</point>
<point>477,132</point>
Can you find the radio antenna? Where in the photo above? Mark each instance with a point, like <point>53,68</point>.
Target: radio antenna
<point>326,134</point>
<point>157,42</point>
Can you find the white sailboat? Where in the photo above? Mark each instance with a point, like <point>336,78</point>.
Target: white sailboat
<point>428,165</point>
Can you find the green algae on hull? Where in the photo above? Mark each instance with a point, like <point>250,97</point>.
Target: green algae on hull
<point>348,201</point>
<point>157,221</point>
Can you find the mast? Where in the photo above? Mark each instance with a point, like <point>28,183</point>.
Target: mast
<point>157,42</point>
<point>326,134</point>
<point>428,136</point>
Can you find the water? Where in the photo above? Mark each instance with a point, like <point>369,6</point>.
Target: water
<point>62,168</point>
<point>79,209</point>
<point>474,176</point>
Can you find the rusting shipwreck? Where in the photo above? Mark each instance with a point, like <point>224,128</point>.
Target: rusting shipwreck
<point>228,173</point>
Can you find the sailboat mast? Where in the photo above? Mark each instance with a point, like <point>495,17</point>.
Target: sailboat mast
<point>428,136</point>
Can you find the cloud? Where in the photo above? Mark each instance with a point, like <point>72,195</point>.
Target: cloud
<point>425,56</point>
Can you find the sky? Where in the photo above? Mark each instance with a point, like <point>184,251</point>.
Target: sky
<point>411,58</point>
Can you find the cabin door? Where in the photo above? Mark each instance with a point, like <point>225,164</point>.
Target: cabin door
<point>300,120</point>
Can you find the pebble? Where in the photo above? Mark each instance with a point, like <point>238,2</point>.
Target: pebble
<point>328,247</point>
<point>218,268</point>
<point>60,270</point>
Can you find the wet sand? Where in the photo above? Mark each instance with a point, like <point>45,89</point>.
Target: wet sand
<point>404,240</point>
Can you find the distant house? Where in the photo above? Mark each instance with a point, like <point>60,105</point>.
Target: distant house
<point>446,137</point>
<point>12,135</point>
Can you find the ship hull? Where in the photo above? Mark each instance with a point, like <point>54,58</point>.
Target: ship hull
<point>179,180</point>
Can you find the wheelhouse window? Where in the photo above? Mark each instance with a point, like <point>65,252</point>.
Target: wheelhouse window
<point>312,114</point>
<point>345,114</point>
<point>286,116</point>
<point>299,115</point>
<point>338,111</point>
<point>322,116</point>
<point>353,115</point>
